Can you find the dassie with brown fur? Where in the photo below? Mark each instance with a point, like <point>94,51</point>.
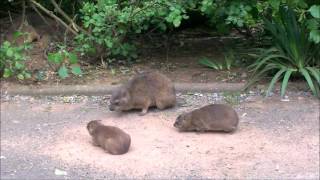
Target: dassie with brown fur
<point>112,139</point>
<point>214,117</point>
<point>148,89</point>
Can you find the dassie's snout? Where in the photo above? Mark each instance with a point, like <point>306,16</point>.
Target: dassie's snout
<point>111,107</point>
<point>177,122</point>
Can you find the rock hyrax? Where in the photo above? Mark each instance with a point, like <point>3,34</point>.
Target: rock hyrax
<point>144,90</point>
<point>214,117</point>
<point>110,138</point>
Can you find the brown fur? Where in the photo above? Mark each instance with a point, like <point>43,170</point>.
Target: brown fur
<point>110,138</point>
<point>149,89</point>
<point>214,117</point>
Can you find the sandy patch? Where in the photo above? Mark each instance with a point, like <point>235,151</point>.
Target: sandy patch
<point>157,147</point>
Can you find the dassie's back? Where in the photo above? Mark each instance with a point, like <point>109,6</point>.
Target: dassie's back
<point>216,116</point>
<point>114,138</point>
<point>149,83</point>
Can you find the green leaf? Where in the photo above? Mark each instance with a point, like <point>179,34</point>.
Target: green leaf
<point>285,81</point>
<point>309,80</point>
<point>9,52</point>
<point>7,73</point>
<point>73,59</point>
<point>315,72</point>
<point>109,43</point>
<point>17,34</point>
<point>18,65</point>
<point>6,44</point>
<point>206,62</point>
<point>275,79</point>
<point>162,26</point>
<point>18,56</point>
<point>312,24</point>
<point>20,76</point>
<point>55,58</point>
<point>315,11</point>
<point>177,21</point>
<point>63,72</point>
<point>274,4</point>
<point>315,36</point>
<point>76,70</point>
<point>27,75</point>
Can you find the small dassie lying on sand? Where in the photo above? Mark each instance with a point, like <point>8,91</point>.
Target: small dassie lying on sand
<point>214,117</point>
<point>144,90</point>
<point>110,138</point>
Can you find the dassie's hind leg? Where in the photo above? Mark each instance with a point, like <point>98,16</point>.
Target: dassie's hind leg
<point>112,146</point>
<point>165,103</point>
<point>230,130</point>
<point>161,105</point>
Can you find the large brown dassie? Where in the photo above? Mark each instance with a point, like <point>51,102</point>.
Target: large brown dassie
<point>148,89</point>
<point>214,117</point>
<point>112,139</point>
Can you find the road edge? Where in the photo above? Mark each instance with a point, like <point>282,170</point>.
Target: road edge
<point>92,90</point>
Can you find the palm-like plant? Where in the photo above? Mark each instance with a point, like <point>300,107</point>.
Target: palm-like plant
<point>292,53</point>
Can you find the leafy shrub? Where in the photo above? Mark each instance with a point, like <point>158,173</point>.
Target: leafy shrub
<point>66,61</point>
<point>112,24</point>
<point>313,23</point>
<point>292,54</point>
<point>12,58</point>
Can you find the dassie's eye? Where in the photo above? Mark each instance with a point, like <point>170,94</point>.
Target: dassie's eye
<point>116,102</point>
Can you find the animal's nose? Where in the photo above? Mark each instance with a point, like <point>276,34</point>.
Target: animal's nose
<point>111,108</point>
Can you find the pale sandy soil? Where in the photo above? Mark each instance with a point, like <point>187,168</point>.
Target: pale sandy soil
<point>275,139</point>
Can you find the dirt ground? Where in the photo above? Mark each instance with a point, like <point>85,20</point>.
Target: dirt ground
<point>46,138</point>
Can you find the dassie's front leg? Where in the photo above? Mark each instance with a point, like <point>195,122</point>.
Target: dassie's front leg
<point>144,111</point>
<point>145,108</point>
<point>94,142</point>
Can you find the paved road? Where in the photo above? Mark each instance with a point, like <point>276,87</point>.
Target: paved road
<point>45,138</point>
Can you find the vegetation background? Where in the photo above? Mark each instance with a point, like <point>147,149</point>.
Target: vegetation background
<point>279,38</point>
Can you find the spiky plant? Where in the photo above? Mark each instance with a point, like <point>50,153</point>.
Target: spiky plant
<point>292,53</point>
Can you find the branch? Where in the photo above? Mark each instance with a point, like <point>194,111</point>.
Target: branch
<point>51,14</point>
<point>23,18</point>
<point>74,25</point>
<point>39,13</point>
<point>10,18</point>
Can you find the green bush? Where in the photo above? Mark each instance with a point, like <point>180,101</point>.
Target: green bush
<point>113,24</point>
<point>313,23</point>
<point>292,53</point>
<point>12,58</point>
<point>66,62</point>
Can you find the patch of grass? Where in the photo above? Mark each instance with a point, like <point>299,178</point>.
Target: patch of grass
<point>228,62</point>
